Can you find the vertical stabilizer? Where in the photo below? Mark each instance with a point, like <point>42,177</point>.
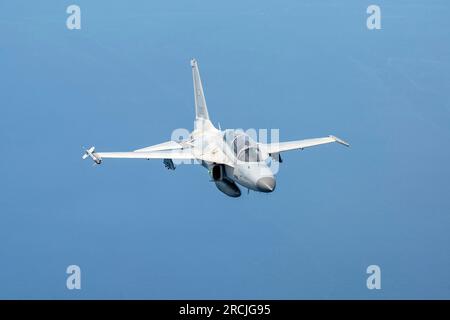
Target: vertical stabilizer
<point>201,111</point>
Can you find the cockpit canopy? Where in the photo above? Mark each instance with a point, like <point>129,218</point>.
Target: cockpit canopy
<point>242,146</point>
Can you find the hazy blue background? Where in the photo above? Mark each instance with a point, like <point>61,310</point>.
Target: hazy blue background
<point>310,68</point>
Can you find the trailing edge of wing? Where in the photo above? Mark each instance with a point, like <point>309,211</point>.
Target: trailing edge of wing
<point>169,145</point>
<point>301,144</point>
<point>147,155</point>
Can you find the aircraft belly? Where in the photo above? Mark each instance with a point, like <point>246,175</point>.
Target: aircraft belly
<point>228,187</point>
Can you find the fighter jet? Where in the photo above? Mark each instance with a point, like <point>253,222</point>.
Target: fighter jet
<point>232,157</point>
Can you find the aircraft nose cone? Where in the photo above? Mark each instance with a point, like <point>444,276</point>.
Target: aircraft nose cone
<point>266,184</point>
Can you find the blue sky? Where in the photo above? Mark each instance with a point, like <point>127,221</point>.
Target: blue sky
<point>309,68</point>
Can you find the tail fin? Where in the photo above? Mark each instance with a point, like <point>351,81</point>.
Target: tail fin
<point>201,111</point>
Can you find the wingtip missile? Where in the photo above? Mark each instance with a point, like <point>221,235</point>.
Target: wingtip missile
<point>91,153</point>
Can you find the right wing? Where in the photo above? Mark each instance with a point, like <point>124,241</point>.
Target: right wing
<point>97,157</point>
<point>174,154</point>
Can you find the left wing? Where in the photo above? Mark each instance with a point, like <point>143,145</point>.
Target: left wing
<point>274,148</point>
